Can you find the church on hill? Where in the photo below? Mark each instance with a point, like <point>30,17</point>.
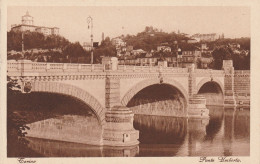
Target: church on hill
<point>28,25</point>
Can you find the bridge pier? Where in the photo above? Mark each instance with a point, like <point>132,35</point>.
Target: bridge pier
<point>118,128</point>
<point>229,98</point>
<point>197,107</point>
<point>197,103</point>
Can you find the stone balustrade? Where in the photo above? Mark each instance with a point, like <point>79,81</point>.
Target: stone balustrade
<point>246,72</point>
<point>209,71</point>
<point>128,68</point>
<point>29,66</point>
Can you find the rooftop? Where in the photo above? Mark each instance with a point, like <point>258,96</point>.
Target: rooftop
<point>27,14</point>
<point>34,26</point>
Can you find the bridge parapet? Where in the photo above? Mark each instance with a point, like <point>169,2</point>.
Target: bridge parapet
<point>204,72</point>
<point>242,72</point>
<point>127,68</point>
<point>29,66</point>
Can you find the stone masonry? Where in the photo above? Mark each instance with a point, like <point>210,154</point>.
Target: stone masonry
<point>108,87</point>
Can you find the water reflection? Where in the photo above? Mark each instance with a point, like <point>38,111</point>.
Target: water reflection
<point>236,132</point>
<point>160,130</point>
<point>216,114</point>
<point>72,128</point>
<point>51,148</point>
<point>227,132</point>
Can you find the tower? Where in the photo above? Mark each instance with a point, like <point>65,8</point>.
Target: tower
<point>103,36</point>
<point>27,19</point>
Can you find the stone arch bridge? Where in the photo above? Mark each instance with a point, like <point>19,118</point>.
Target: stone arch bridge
<point>108,87</point>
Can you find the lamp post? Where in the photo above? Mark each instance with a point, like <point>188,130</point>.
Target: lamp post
<point>90,25</point>
<point>22,45</point>
<point>179,55</point>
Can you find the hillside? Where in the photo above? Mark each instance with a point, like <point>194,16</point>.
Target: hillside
<point>151,37</point>
<point>41,48</point>
<point>34,40</point>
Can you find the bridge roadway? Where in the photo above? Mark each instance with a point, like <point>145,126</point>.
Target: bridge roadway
<point>108,87</point>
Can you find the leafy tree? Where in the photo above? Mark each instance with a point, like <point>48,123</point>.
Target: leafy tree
<point>106,48</point>
<point>220,54</point>
<point>241,61</point>
<point>74,50</point>
<point>16,123</point>
<point>34,40</point>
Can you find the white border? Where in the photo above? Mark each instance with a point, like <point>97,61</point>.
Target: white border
<point>255,77</point>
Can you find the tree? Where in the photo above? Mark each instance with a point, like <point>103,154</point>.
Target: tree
<point>241,61</point>
<point>74,50</point>
<point>34,40</point>
<point>106,48</point>
<point>219,54</point>
<point>16,123</point>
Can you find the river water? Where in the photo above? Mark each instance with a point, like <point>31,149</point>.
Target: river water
<point>226,133</point>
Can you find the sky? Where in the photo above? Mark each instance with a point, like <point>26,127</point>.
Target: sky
<point>234,22</point>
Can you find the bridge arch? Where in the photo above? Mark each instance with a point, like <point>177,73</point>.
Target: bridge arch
<point>206,80</point>
<point>148,82</point>
<point>66,89</point>
<point>212,90</point>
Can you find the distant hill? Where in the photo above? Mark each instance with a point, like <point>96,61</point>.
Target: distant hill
<point>151,37</point>
<point>41,48</point>
<point>34,40</point>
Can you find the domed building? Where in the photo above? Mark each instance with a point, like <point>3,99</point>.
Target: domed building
<point>27,19</point>
<point>28,25</point>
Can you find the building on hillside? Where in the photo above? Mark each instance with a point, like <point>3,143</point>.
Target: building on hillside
<point>205,37</point>
<point>28,25</point>
<point>188,58</point>
<point>234,46</point>
<point>146,61</point>
<point>87,46</point>
<point>192,53</point>
<point>129,48</point>
<point>192,41</point>
<point>221,36</point>
<point>118,42</point>
<point>171,60</point>
<point>204,62</point>
<point>126,60</point>
<point>138,52</point>
<point>204,47</point>
<point>164,48</point>
<point>123,49</point>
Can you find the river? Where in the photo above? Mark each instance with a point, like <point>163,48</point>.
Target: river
<point>225,133</point>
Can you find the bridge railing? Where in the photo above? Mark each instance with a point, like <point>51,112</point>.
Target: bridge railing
<point>128,68</point>
<point>28,66</point>
<point>175,69</point>
<point>242,72</point>
<point>209,71</point>
<point>12,65</point>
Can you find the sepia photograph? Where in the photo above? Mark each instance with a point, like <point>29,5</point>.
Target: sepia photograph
<point>128,81</point>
